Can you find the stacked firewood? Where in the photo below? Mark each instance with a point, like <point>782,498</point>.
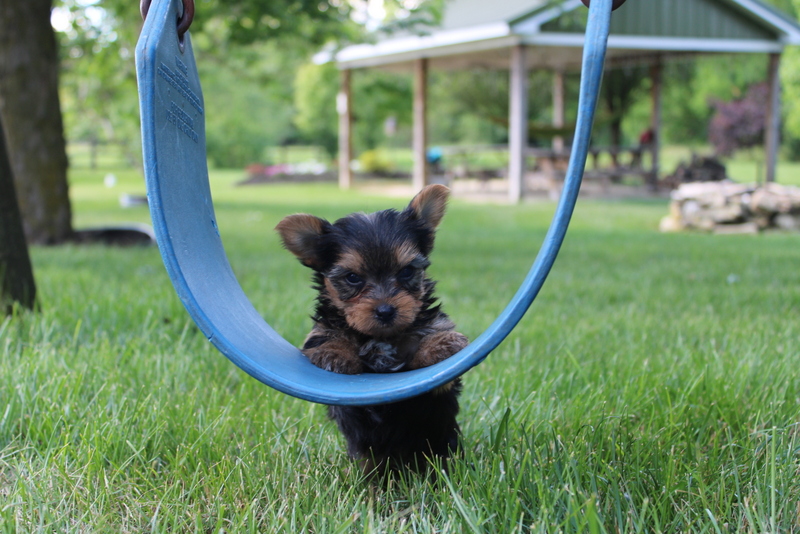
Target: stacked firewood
<point>728,207</point>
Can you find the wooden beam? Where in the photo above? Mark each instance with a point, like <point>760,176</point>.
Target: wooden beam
<point>656,78</point>
<point>343,105</point>
<point>420,134</point>
<point>772,126</point>
<point>558,108</point>
<point>517,122</point>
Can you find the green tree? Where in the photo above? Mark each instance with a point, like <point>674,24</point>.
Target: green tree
<point>619,92</point>
<point>249,97</point>
<point>315,89</point>
<point>376,95</point>
<point>690,87</point>
<point>248,52</point>
<point>790,83</point>
<point>98,40</point>
<point>688,108</point>
<point>98,77</point>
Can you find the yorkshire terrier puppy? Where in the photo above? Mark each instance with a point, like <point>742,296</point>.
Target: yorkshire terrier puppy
<point>376,313</point>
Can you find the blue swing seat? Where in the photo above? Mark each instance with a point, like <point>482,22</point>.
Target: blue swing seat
<point>173,133</point>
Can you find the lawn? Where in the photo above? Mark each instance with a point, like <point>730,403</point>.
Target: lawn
<point>654,386</point>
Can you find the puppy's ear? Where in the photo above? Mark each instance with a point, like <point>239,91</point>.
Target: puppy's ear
<point>429,205</point>
<point>301,234</point>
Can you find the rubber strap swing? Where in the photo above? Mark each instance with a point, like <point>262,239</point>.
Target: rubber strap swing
<point>176,173</point>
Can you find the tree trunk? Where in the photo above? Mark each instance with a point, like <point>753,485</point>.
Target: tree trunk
<point>16,274</point>
<point>31,114</point>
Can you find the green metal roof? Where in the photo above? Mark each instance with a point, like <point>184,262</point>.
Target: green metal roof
<point>710,19</point>
<point>688,18</point>
<point>465,13</point>
<point>479,32</point>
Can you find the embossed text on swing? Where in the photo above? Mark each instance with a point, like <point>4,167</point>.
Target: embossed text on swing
<point>179,81</point>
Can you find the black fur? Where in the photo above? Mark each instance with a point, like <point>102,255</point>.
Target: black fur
<point>373,235</point>
<point>403,434</point>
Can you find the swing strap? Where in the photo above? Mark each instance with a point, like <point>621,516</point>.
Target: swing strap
<point>614,5</point>
<point>185,19</point>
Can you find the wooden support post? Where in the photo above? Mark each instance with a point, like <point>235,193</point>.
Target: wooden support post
<point>343,104</point>
<point>517,122</point>
<point>772,126</point>
<point>420,134</point>
<point>558,108</point>
<point>655,121</point>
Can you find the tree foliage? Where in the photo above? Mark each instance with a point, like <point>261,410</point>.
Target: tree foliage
<point>315,89</point>
<point>790,83</point>
<point>261,89</point>
<point>249,97</point>
<point>377,96</point>
<point>313,22</point>
<point>739,123</point>
<point>621,87</point>
<point>247,54</point>
<point>98,76</point>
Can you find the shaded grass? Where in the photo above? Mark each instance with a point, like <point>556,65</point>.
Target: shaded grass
<point>653,386</point>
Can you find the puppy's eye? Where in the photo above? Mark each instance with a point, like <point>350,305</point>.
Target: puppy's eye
<point>406,273</point>
<point>353,279</point>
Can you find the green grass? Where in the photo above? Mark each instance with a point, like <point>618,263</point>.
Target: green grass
<point>654,385</point>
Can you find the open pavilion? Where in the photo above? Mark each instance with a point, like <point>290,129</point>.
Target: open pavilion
<point>519,35</point>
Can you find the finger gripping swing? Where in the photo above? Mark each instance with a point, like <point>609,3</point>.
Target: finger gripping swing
<point>173,138</point>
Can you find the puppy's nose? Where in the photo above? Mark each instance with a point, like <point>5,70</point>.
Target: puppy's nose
<point>385,313</point>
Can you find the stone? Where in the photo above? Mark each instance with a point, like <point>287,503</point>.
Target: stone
<point>675,209</point>
<point>670,223</point>
<point>731,229</point>
<point>690,209</point>
<point>730,213</point>
<point>728,207</point>
<point>787,221</point>
<point>763,221</point>
<point>705,224</point>
<point>774,200</point>
<point>698,190</point>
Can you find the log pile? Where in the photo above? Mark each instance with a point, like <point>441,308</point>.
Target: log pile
<point>699,169</point>
<point>727,207</point>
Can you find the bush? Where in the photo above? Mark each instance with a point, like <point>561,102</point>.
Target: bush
<point>374,161</point>
<point>739,123</point>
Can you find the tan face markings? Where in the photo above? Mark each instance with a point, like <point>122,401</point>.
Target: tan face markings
<point>358,304</point>
<point>360,314</point>
<point>407,309</point>
<point>333,294</point>
<point>351,260</point>
<point>405,254</point>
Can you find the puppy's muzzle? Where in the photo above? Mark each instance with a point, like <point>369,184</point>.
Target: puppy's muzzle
<point>385,313</point>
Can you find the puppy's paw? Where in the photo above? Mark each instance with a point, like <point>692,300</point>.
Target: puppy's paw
<point>336,356</point>
<point>437,347</point>
<point>380,357</point>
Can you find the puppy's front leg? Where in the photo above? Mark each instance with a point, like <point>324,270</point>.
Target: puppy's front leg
<point>437,347</point>
<point>337,354</point>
